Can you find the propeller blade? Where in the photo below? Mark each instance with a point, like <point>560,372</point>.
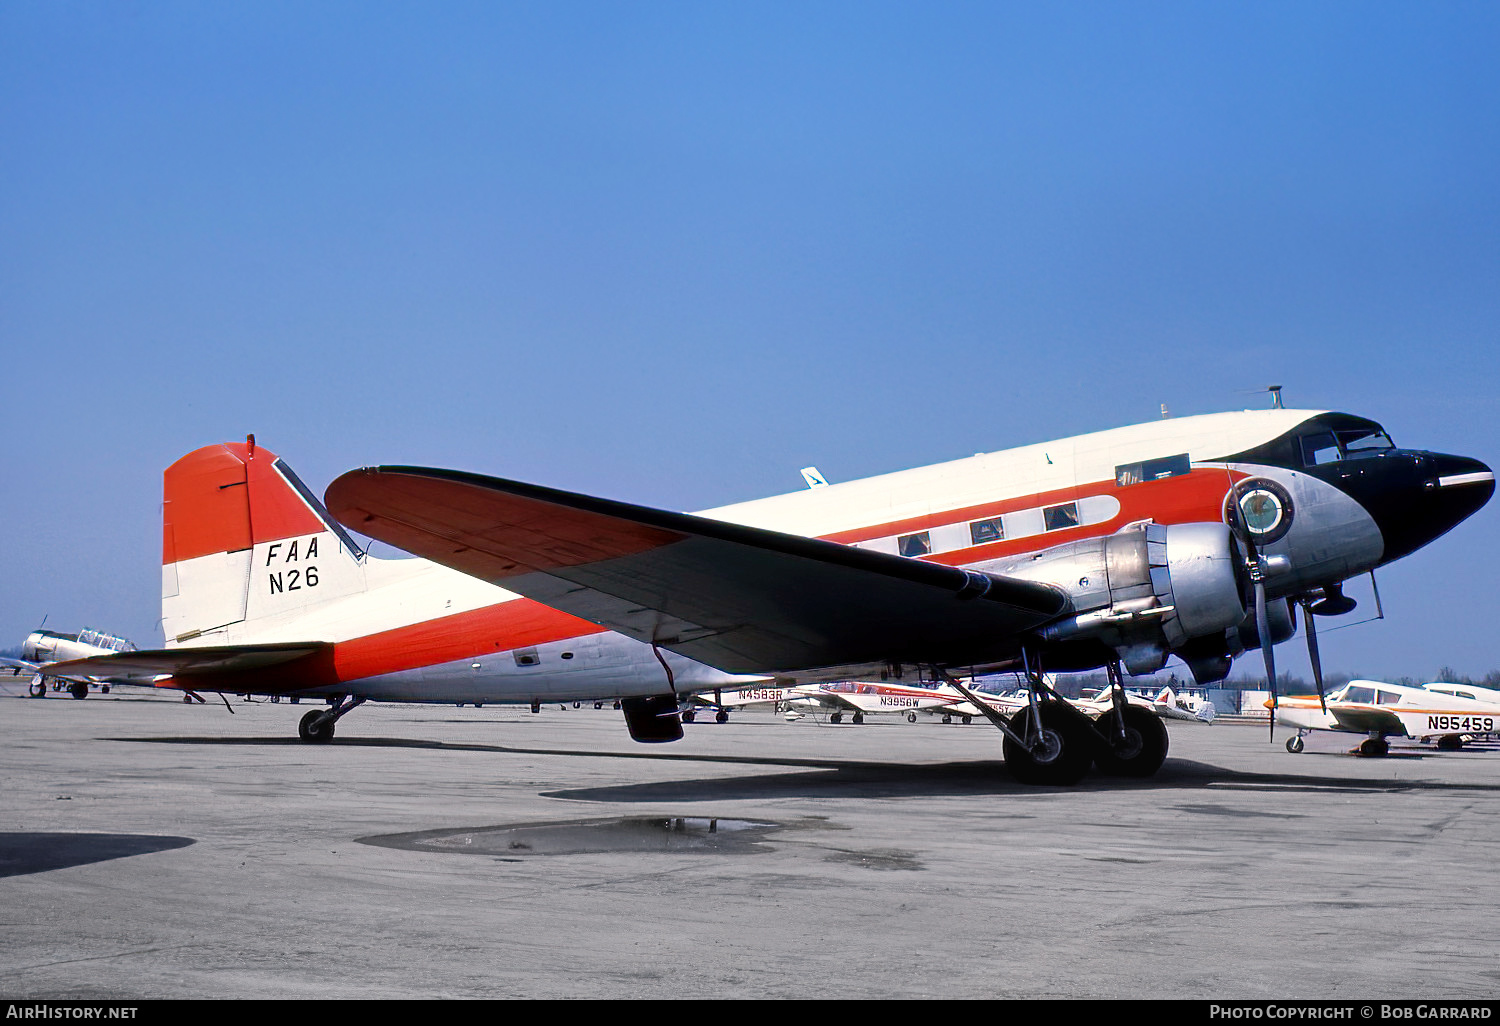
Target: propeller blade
<point>1263,627</point>
<point>1312,650</point>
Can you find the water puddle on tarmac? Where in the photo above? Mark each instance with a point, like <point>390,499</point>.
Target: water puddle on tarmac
<point>681,834</point>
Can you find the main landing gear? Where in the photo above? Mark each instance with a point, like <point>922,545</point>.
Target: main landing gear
<point>1051,742</point>
<point>317,726</point>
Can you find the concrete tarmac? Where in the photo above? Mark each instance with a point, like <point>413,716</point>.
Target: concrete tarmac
<point>151,849</point>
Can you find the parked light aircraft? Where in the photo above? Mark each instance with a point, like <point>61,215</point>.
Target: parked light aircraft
<point>723,702</point>
<point>1191,537</point>
<point>43,647</point>
<point>864,698</point>
<point>1379,710</point>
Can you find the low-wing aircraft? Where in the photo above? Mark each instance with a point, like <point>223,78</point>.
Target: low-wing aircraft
<point>864,698</point>
<point>723,702</point>
<point>1191,537</point>
<point>1379,710</point>
<point>43,647</point>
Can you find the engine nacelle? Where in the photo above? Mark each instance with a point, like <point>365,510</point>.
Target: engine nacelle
<point>1144,591</point>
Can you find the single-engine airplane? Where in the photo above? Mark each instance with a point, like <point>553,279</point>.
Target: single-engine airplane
<point>1379,710</point>
<point>1191,537</point>
<point>866,698</point>
<point>43,647</point>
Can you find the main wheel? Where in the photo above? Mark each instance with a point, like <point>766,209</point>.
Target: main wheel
<point>38,687</point>
<point>1374,747</point>
<point>1138,750</point>
<point>78,689</point>
<point>1059,753</point>
<point>316,728</point>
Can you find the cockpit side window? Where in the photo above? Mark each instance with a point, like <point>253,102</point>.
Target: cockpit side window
<point>1320,448</point>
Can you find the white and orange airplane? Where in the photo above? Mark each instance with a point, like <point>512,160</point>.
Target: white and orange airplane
<point>42,647</point>
<point>1380,710</point>
<point>1191,537</point>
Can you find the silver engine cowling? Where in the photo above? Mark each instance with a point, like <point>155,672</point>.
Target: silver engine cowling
<point>1145,591</point>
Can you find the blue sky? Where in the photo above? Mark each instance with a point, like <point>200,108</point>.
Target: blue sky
<point>672,252</point>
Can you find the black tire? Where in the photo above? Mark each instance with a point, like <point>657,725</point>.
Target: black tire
<point>316,728</point>
<point>78,689</point>
<point>1374,747</point>
<point>721,716</point>
<point>1295,745</point>
<point>1140,752</point>
<point>1060,756</point>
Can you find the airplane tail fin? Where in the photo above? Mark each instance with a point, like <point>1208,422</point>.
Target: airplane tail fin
<point>246,547</point>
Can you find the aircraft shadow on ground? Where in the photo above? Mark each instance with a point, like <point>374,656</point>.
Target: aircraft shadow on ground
<point>23,852</point>
<point>843,778</point>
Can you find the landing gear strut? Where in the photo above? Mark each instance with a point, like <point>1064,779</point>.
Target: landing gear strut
<point>1048,742</point>
<point>317,726</point>
<point>1132,742</point>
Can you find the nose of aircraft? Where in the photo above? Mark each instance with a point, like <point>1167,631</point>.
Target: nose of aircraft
<point>1416,497</point>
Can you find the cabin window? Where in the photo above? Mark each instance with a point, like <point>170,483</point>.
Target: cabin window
<point>1152,470</point>
<point>919,544</point>
<point>1059,517</point>
<point>982,531</point>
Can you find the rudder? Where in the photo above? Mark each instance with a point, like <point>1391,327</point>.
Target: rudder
<point>244,546</point>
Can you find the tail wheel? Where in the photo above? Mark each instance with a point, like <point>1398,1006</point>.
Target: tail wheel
<point>1060,753</point>
<point>1136,751</point>
<point>316,728</point>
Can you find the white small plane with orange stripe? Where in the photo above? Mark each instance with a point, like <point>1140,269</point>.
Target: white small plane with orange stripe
<point>1380,710</point>
<point>1120,548</point>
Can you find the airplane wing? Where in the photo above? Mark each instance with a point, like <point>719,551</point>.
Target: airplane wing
<point>200,664</point>
<point>738,598</point>
<point>1363,719</point>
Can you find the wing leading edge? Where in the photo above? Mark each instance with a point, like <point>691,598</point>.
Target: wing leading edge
<point>742,599</point>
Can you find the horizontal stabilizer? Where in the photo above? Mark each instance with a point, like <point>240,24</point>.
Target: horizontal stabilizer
<point>742,599</point>
<point>195,662</point>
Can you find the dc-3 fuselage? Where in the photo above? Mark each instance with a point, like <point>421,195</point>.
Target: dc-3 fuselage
<point>1125,546</point>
